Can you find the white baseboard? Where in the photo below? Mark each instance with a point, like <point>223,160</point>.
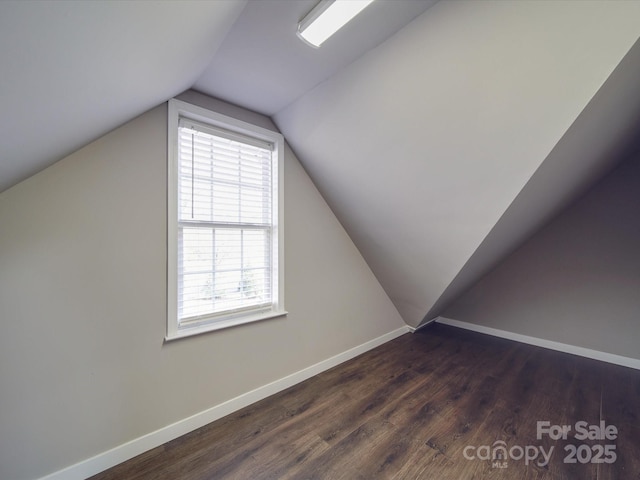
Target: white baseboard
<point>121,453</point>
<point>540,342</point>
<point>421,325</point>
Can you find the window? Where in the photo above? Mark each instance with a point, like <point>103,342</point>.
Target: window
<point>225,223</point>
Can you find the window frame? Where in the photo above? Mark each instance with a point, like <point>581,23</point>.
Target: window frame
<point>178,109</point>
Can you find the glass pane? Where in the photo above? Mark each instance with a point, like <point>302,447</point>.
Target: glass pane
<point>224,269</point>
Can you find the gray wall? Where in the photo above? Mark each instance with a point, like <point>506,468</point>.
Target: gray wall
<point>83,366</point>
<point>421,145</point>
<point>588,150</point>
<point>577,280</point>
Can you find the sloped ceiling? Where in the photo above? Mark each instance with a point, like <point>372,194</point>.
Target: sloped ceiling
<point>263,66</point>
<point>72,70</point>
<point>420,123</point>
<point>422,144</point>
<point>605,133</point>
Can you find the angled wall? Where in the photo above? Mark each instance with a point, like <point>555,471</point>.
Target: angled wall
<point>576,281</point>
<point>604,134</point>
<point>83,365</point>
<point>421,145</point>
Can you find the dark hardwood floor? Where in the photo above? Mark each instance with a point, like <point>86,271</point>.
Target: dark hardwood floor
<point>412,409</point>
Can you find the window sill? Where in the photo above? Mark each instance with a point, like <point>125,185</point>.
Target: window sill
<point>185,332</point>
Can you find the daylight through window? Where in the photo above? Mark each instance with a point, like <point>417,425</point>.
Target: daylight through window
<point>226,242</point>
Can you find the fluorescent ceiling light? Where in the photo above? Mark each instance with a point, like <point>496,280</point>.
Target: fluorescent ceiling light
<point>327,18</point>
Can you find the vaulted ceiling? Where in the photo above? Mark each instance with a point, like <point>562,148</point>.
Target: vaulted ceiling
<point>421,145</point>
<point>441,134</point>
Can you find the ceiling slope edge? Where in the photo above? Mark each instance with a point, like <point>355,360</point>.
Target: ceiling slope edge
<point>422,144</point>
<point>69,79</point>
<point>604,134</point>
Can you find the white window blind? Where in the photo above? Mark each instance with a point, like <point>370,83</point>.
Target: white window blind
<point>225,223</point>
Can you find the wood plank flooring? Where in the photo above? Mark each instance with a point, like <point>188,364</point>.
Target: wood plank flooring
<point>410,409</point>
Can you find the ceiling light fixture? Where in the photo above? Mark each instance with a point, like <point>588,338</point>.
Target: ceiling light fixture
<point>327,18</point>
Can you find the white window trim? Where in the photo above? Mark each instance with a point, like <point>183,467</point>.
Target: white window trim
<point>178,109</point>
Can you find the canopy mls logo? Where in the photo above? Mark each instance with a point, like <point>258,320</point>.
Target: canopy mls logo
<point>499,453</point>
